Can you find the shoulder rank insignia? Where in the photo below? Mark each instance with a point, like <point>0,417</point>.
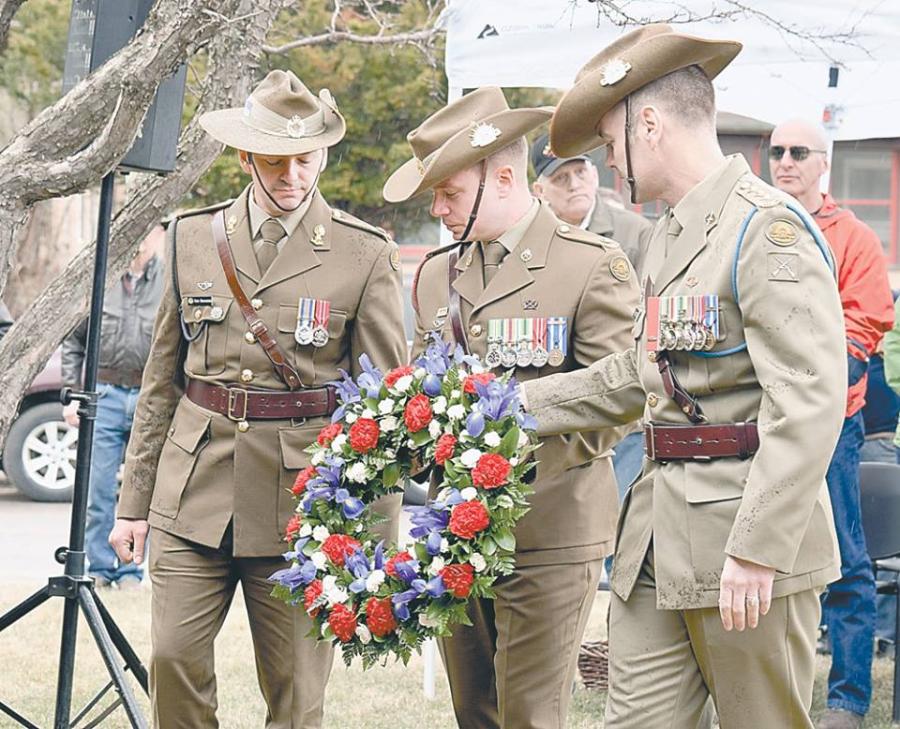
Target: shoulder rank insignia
<point>395,258</point>
<point>619,268</point>
<point>782,232</point>
<point>318,236</point>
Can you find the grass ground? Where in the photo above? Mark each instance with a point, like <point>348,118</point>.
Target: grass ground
<point>383,698</point>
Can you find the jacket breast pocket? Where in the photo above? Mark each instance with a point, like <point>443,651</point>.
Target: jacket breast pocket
<point>206,318</point>
<point>187,437</point>
<point>294,458</point>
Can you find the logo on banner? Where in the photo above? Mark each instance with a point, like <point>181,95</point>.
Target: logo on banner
<point>488,30</point>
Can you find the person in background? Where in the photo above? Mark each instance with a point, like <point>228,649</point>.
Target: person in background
<point>126,328</point>
<point>798,158</point>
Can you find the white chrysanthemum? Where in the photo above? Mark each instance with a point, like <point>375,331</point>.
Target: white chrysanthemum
<point>388,424</point>
<point>318,458</point>
<point>437,564</point>
<point>328,582</point>
<point>321,533</point>
<point>439,406</point>
<point>434,428</point>
<point>404,383</point>
<point>426,622</point>
<point>319,560</point>
<point>456,412</point>
<point>350,418</point>
<point>445,545</point>
<point>410,443</point>
<point>375,580</point>
<point>478,562</point>
<point>366,413</point>
<point>338,442</point>
<point>336,595</point>
<point>454,394</point>
<point>523,439</point>
<point>469,493</point>
<point>470,457</point>
<point>513,461</point>
<point>306,529</point>
<point>356,473</point>
<point>492,439</point>
<point>385,406</point>
<point>420,373</point>
<point>504,502</point>
<point>362,632</point>
<point>358,527</point>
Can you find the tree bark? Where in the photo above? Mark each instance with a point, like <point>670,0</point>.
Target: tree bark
<point>233,59</point>
<point>8,10</point>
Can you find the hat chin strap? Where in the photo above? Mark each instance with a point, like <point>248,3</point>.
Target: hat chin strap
<point>629,173</point>
<point>272,200</point>
<point>477,204</point>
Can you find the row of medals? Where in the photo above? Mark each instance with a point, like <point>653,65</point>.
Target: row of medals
<point>507,354</point>
<point>686,335</point>
<point>306,334</point>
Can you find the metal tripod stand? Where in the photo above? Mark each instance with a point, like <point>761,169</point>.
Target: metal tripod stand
<point>75,586</point>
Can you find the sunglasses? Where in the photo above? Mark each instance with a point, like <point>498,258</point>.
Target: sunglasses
<point>798,154</point>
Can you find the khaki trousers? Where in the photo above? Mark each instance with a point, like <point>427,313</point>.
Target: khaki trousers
<point>665,663</point>
<point>514,666</point>
<point>193,587</point>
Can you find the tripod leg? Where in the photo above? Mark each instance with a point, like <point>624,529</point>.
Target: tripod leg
<point>122,645</point>
<point>23,608</point>
<point>107,650</point>
<point>66,664</point>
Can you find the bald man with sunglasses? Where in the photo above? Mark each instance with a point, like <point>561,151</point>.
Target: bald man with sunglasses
<point>797,161</point>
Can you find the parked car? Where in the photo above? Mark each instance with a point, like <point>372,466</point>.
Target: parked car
<point>40,451</point>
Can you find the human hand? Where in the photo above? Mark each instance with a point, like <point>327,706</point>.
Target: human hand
<point>70,414</point>
<point>745,593</point>
<point>128,538</point>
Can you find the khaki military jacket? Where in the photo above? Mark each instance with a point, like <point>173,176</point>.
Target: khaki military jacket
<point>555,271</point>
<point>781,319</point>
<point>190,471</point>
<point>627,228</point>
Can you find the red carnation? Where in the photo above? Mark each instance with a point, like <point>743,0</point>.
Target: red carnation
<point>329,433</point>
<point>469,518</point>
<point>293,528</point>
<point>302,479</point>
<point>417,415</point>
<point>390,379</point>
<point>380,616</point>
<point>364,435</point>
<point>342,622</point>
<point>482,379</point>
<point>491,471</point>
<point>389,568</point>
<point>444,448</point>
<point>458,578</point>
<point>338,547</point>
<point>310,595</point>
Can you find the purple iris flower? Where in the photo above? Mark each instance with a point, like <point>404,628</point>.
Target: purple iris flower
<point>378,557</point>
<point>371,378</point>
<point>347,393</point>
<point>431,385</point>
<point>350,505</point>
<point>475,423</point>
<point>460,357</point>
<point>426,519</point>
<point>358,566</point>
<point>295,575</point>
<point>408,571</point>
<point>526,421</point>
<point>497,399</point>
<point>436,359</point>
<point>297,552</point>
<point>434,588</point>
<point>433,545</point>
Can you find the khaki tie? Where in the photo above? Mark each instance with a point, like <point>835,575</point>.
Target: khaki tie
<point>494,253</point>
<point>673,230</point>
<point>267,247</point>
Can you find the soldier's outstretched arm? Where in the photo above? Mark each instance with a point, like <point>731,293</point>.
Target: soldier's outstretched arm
<point>154,410</point>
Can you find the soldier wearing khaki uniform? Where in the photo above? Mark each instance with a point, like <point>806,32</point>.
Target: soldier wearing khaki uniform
<point>530,294</point>
<point>738,369</point>
<point>211,469</point>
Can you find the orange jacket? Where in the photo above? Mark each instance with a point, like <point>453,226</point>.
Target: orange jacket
<point>862,283</point>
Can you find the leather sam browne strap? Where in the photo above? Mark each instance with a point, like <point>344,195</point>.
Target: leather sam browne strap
<point>459,332</point>
<point>688,403</point>
<point>665,442</point>
<point>259,329</point>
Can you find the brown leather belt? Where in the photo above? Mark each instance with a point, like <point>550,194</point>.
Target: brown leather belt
<point>664,442</point>
<point>238,403</point>
<point>122,378</point>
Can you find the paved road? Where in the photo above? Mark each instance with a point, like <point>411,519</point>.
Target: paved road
<point>30,532</point>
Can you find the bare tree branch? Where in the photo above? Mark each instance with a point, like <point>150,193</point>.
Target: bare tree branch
<point>8,9</point>
<point>417,37</point>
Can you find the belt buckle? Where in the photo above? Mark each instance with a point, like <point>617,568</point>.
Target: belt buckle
<point>651,450</point>
<point>233,398</point>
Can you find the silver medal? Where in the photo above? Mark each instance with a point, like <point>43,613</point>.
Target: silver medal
<point>320,337</point>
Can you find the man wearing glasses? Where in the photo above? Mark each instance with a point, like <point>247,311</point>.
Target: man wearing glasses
<point>797,161</point>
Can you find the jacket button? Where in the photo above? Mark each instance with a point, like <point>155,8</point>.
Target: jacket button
<point>257,304</point>
<point>564,228</point>
<point>243,426</point>
<point>246,375</point>
<point>652,399</point>
<point>475,330</point>
<point>250,338</point>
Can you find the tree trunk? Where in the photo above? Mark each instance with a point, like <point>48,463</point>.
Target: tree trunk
<point>233,60</point>
<point>8,10</point>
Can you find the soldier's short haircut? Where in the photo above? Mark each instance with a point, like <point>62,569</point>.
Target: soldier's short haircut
<point>686,93</point>
<point>515,155</point>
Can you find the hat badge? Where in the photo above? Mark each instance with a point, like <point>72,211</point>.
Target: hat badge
<point>547,151</point>
<point>483,134</point>
<point>614,71</point>
<point>296,127</point>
